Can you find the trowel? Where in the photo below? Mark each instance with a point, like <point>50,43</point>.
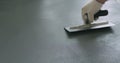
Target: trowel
<point>91,25</point>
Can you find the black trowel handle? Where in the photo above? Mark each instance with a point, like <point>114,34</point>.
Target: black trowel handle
<point>100,13</point>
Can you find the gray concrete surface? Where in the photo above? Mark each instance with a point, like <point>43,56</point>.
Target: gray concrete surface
<point>32,31</point>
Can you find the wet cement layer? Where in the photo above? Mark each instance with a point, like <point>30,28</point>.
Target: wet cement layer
<point>32,31</point>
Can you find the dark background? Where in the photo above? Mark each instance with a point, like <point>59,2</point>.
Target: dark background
<point>32,31</point>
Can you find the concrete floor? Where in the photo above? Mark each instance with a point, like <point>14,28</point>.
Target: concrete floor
<point>32,31</point>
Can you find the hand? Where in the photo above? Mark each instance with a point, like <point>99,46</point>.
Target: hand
<point>90,9</point>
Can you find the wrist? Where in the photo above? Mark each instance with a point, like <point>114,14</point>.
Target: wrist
<point>101,1</point>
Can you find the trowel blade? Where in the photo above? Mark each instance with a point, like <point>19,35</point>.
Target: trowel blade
<point>95,25</point>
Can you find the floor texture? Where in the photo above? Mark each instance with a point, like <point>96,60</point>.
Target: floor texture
<point>32,31</point>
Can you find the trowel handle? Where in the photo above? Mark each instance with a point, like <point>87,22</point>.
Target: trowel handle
<point>100,13</point>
